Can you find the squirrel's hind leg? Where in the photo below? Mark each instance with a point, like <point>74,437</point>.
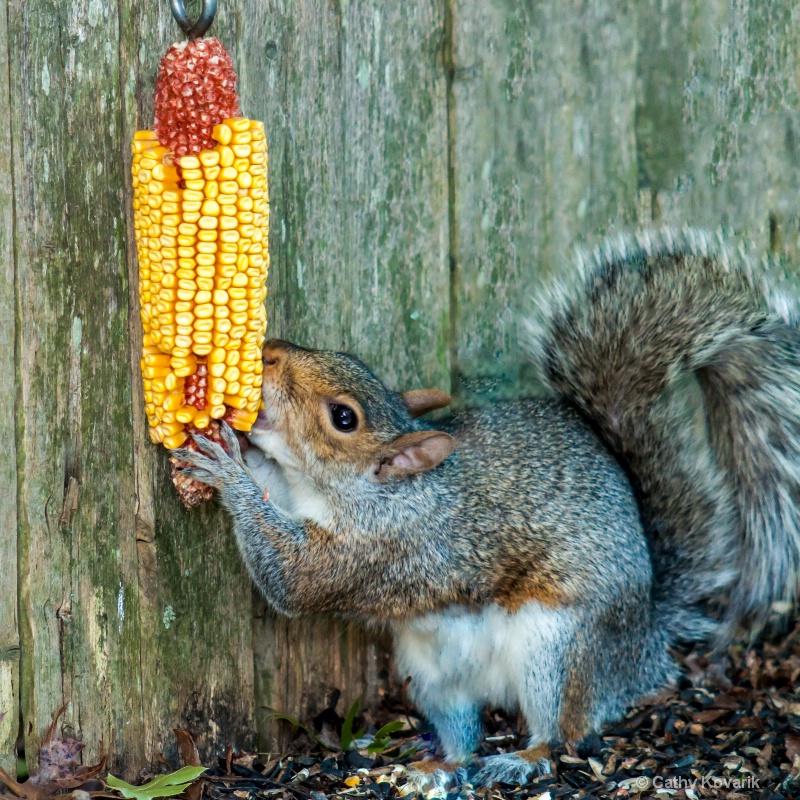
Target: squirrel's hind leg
<point>459,731</point>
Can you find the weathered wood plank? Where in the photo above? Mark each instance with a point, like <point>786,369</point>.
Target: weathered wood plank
<point>196,608</point>
<point>79,615</point>
<point>573,119</point>
<point>718,115</point>
<point>354,100</point>
<point>9,632</point>
<point>544,154</point>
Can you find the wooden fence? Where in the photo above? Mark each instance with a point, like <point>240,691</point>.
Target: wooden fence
<point>429,160</point>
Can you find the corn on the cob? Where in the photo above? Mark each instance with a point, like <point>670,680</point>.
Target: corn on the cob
<point>202,222</point>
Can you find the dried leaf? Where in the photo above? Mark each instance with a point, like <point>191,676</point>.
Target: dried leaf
<point>59,767</point>
<point>187,747</point>
<point>727,700</point>
<point>19,789</point>
<point>191,758</point>
<point>709,716</point>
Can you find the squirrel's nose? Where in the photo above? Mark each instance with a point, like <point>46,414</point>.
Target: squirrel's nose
<point>272,352</point>
<point>276,351</point>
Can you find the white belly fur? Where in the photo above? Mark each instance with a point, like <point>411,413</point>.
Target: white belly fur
<point>492,656</point>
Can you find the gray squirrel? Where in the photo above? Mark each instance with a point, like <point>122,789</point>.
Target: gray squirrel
<point>542,554</point>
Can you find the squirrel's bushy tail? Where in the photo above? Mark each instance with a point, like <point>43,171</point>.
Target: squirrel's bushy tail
<point>655,325</point>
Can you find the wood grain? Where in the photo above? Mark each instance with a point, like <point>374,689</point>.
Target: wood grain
<point>9,629</point>
<point>353,97</point>
<point>77,570</point>
<point>718,115</point>
<point>544,154</point>
<point>196,609</point>
<point>575,119</point>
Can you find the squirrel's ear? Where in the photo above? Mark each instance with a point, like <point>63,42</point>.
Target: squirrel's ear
<point>421,401</point>
<point>413,453</point>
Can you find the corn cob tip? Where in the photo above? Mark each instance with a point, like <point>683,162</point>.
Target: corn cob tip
<point>195,90</point>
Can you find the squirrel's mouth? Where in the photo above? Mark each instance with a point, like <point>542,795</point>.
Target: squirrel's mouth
<point>263,422</point>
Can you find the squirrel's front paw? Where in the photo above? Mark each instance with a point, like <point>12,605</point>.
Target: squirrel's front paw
<point>515,769</point>
<point>213,465</point>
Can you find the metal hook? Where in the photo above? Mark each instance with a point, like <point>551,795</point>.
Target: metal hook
<point>193,30</point>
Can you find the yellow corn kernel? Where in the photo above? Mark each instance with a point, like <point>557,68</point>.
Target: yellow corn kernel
<point>173,383</point>
<point>202,266</point>
<point>242,420</point>
<point>210,158</point>
<point>221,133</point>
<point>217,412</point>
<point>201,420</point>
<point>235,401</point>
<point>176,440</point>
<point>186,414</point>
<point>226,158</point>
<point>172,402</point>
<point>156,360</point>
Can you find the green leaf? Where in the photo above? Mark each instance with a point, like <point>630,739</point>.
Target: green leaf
<point>409,751</point>
<point>295,724</point>
<point>388,729</point>
<point>347,726</point>
<point>163,786</point>
<point>382,738</point>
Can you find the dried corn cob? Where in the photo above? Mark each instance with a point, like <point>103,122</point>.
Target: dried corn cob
<point>201,217</point>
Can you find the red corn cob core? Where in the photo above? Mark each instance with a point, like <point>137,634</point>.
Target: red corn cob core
<point>195,90</point>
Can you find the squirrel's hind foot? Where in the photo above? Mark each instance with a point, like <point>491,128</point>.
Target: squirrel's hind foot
<point>433,779</point>
<point>515,769</point>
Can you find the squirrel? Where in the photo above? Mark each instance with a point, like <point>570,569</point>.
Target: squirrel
<point>543,554</point>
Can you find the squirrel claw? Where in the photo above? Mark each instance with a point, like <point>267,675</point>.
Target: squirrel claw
<point>189,457</point>
<point>230,442</point>
<point>510,768</point>
<point>209,447</point>
<point>201,475</point>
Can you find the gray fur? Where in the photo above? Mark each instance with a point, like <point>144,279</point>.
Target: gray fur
<point>617,340</point>
<point>509,768</point>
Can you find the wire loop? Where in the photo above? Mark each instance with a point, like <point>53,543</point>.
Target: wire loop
<point>194,29</point>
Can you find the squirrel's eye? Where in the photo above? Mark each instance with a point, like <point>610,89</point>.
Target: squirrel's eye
<point>343,417</point>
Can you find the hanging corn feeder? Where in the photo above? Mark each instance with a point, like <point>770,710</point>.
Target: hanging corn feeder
<point>201,216</point>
